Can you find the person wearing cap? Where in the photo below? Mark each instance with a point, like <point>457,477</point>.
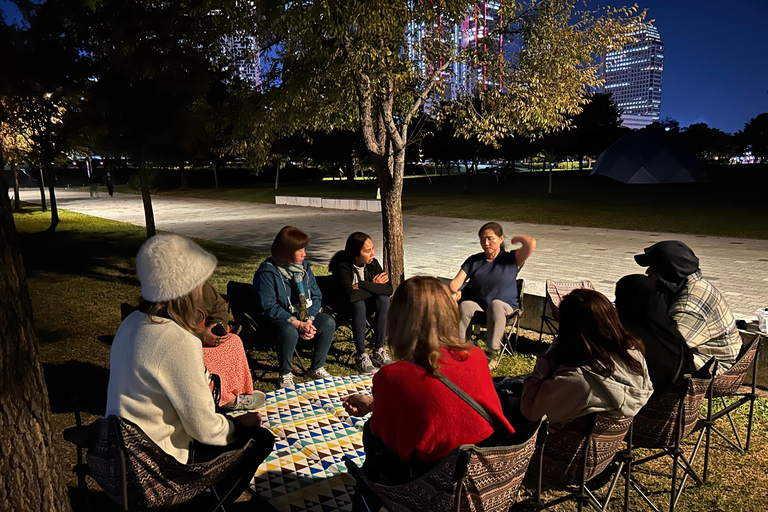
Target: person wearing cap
<point>702,315</point>
<point>157,376</point>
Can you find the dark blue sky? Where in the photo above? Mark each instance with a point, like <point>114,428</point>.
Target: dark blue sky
<point>715,62</point>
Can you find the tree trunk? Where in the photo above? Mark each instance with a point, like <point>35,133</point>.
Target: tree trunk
<point>581,162</point>
<point>216,167</point>
<point>149,214</point>
<point>388,170</point>
<point>277,175</point>
<point>52,193</point>
<point>16,200</point>
<point>466,176</point>
<point>350,167</point>
<point>42,191</point>
<point>184,180</point>
<point>31,476</point>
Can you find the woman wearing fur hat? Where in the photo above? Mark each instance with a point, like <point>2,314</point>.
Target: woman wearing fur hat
<point>157,376</point>
<point>287,297</point>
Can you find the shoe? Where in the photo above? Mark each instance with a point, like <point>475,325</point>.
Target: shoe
<point>235,328</point>
<point>286,381</point>
<point>249,402</point>
<point>364,364</point>
<point>320,373</point>
<point>493,359</point>
<point>381,357</point>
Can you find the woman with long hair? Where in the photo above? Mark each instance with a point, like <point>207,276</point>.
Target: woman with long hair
<point>157,376</point>
<point>367,290</point>
<point>417,417</point>
<point>492,286</point>
<point>594,365</point>
<point>288,300</point>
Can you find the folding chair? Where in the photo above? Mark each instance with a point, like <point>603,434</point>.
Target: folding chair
<point>240,300</point>
<point>513,322</point>
<point>470,478</point>
<point>574,455</point>
<point>555,293</point>
<point>727,385</point>
<point>664,422</point>
<point>137,474</point>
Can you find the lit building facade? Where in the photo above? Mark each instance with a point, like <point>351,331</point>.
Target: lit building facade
<point>633,77</point>
<point>243,53</point>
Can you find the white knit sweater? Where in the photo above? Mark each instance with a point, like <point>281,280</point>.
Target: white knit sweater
<point>157,380</point>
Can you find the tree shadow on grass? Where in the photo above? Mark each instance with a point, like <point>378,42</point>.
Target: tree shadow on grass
<point>77,381</point>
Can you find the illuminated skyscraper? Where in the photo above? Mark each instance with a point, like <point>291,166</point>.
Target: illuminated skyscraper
<point>244,55</point>
<point>633,77</point>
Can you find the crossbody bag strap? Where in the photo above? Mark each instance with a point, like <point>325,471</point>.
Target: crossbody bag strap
<point>468,399</point>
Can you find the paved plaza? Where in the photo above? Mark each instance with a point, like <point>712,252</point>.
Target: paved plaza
<point>438,245</point>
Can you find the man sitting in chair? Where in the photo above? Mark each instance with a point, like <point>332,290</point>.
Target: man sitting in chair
<point>700,311</point>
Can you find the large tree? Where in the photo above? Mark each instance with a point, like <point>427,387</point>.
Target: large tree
<point>375,64</point>
<point>31,477</point>
<point>755,135</point>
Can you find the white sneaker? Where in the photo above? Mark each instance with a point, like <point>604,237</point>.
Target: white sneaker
<point>364,364</point>
<point>320,373</point>
<point>249,402</point>
<point>286,381</point>
<point>381,357</point>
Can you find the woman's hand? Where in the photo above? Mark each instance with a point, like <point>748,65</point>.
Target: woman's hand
<point>307,330</point>
<point>456,295</point>
<point>250,420</point>
<point>210,339</point>
<point>382,278</point>
<point>358,405</point>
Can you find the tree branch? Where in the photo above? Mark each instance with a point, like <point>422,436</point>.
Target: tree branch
<point>427,90</point>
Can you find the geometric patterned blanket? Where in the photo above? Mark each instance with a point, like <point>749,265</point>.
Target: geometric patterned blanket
<point>312,433</point>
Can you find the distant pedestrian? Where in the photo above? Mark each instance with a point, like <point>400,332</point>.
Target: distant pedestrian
<point>97,175</point>
<point>110,183</point>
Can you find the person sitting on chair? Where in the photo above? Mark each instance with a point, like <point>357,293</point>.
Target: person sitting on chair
<point>702,315</point>
<point>418,420</point>
<point>224,355</point>
<point>594,365</point>
<point>367,288</point>
<point>288,299</point>
<point>492,286</point>
<point>157,377</point>
<point>641,312</point>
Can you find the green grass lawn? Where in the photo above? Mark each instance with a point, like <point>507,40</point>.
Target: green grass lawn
<point>721,208</point>
<point>79,276</point>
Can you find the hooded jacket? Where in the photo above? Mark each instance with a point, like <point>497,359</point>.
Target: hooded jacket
<point>274,296</point>
<point>564,393</point>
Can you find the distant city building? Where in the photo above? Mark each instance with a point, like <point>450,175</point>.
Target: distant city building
<point>633,77</point>
<point>243,53</point>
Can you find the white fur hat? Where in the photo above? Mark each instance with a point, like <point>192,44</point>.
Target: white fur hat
<point>171,266</point>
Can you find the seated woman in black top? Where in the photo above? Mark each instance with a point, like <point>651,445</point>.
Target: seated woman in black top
<point>367,288</point>
<point>642,312</point>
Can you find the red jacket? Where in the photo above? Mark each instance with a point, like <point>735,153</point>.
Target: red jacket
<point>415,414</point>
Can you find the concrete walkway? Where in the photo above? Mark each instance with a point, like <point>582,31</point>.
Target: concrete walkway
<point>437,245</point>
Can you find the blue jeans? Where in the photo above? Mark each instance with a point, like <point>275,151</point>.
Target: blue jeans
<point>286,337</point>
<point>360,312</point>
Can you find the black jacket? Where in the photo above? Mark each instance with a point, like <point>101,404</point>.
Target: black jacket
<point>343,273</point>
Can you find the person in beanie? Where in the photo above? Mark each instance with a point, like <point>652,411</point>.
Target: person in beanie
<point>287,299</point>
<point>700,311</point>
<point>157,377</point>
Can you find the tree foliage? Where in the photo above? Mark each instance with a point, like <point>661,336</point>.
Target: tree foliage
<point>755,135</point>
<point>375,64</point>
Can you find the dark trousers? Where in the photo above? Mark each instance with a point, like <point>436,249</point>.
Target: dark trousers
<point>361,310</point>
<point>239,476</point>
<point>287,336</point>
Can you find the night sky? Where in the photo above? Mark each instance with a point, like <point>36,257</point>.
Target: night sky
<point>716,59</point>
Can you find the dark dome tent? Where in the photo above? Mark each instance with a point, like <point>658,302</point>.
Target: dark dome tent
<point>648,156</point>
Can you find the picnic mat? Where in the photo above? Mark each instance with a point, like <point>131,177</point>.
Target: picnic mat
<point>312,431</point>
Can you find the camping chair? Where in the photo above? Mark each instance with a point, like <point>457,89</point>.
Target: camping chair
<point>574,455</point>
<point>727,385</point>
<point>555,293</point>
<point>137,474</point>
<point>470,478</point>
<point>240,299</point>
<point>664,422</point>
<point>513,322</point>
